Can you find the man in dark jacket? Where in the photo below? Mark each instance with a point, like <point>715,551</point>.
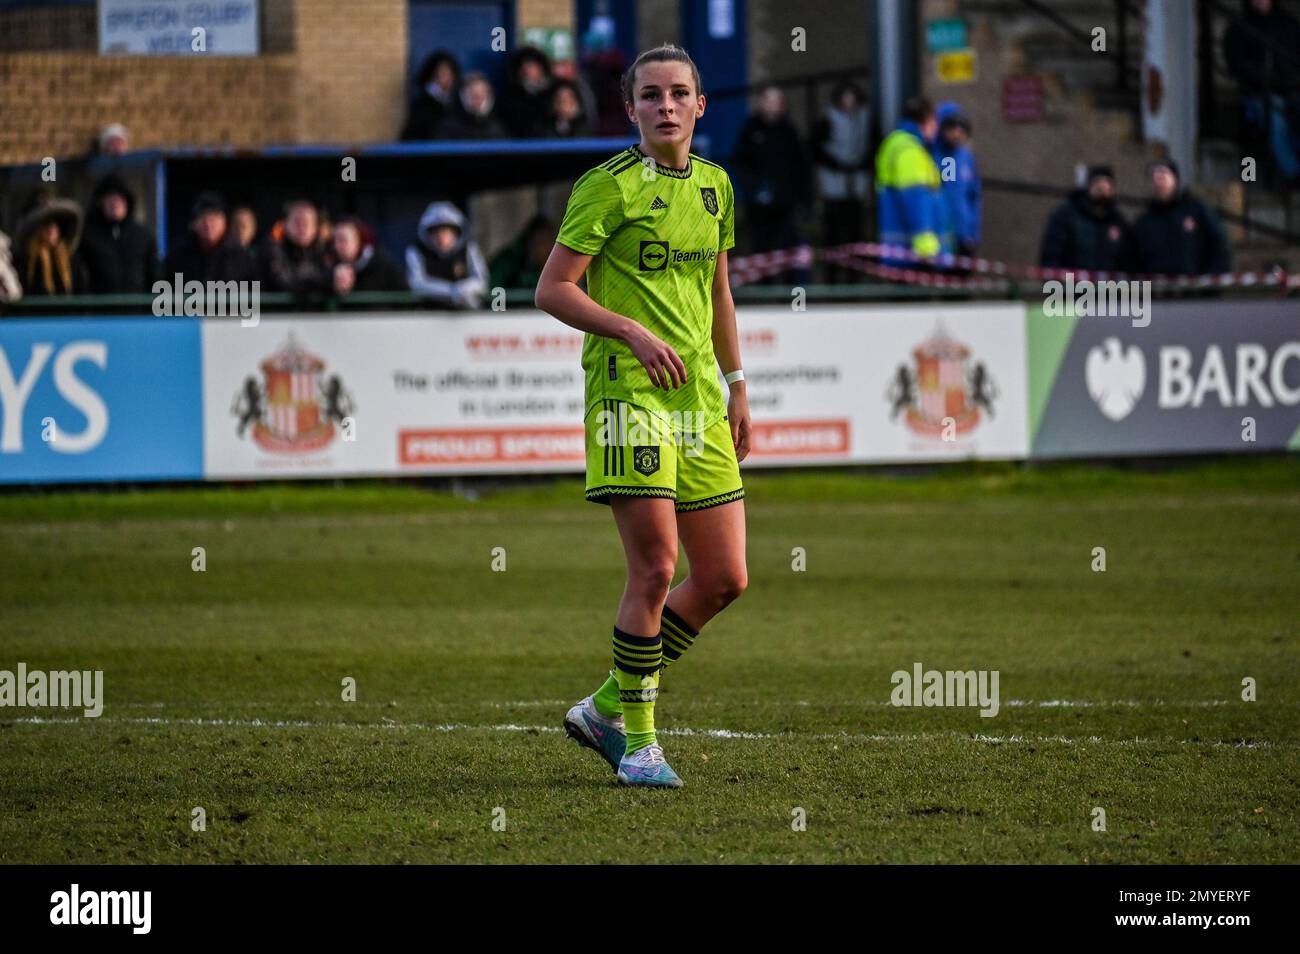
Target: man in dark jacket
<point>294,257</point>
<point>119,254</point>
<point>210,252</point>
<point>1087,231</point>
<point>1262,50</point>
<point>773,170</point>
<point>1178,234</point>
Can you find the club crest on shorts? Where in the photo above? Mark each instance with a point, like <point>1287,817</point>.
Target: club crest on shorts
<point>645,460</point>
<point>710,197</point>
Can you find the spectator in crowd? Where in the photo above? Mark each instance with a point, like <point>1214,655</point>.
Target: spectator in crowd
<point>1262,50</point>
<point>772,168</point>
<point>243,221</point>
<point>357,263</point>
<point>908,197</point>
<point>474,117</point>
<point>114,140</point>
<point>603,65</point>
<point>10,288</point>
<point>437,88</point>
<point>960,180</point>
<point>295,255</point>
<point>1178,234</point>
<point>47,238</point>
<point>1088,232</point>
<point>519,264</point>
<point>444,265</point>
<point>525,101</point>
<point>119,255</point>
<point>566,117</point>
<point>841,143</point>
<point>210,252</point>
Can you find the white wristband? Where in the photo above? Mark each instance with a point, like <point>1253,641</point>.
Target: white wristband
<point>734,376</point>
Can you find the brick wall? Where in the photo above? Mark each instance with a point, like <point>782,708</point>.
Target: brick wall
<point>54,104</point>
<point>331,71</point>
<point>351,70</point>
<point>545,13</point>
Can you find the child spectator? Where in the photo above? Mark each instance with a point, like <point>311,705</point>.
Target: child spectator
<point>444,266</point>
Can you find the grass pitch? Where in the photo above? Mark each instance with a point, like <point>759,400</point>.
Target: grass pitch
<point>1120,690</point>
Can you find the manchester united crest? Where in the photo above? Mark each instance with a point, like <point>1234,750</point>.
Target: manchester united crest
<point>645,460</point>
<point>710,197</point>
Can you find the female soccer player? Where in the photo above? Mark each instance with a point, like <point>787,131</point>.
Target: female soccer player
<point>651,228</point>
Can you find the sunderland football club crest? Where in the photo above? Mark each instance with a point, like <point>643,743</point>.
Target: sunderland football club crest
<point>293,409</point>
<point>944,391</point>
<point>710,197</point>
<point>645,460</point>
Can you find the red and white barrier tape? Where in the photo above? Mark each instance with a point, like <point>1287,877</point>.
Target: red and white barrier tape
<point>993,274</point>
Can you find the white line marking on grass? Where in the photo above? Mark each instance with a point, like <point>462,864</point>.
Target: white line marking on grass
<point>390,724</point>
<point>803,703</point>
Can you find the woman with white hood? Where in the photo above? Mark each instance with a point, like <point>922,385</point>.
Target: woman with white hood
<point>444,265</point>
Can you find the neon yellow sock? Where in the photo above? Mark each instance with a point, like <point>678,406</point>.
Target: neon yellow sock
<point>606,698</point>
<point>636,668</point>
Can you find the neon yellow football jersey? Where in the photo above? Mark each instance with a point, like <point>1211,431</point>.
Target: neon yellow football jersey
<point>654,233</point>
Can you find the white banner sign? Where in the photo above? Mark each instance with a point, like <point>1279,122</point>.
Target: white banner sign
<point>865,384</point>
<point>178,27</point>
<point>319,396</point>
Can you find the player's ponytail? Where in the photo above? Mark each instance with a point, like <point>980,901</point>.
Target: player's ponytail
<point>667,53</point>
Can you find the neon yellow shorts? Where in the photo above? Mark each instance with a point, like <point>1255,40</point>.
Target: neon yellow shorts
<point>634,452</point>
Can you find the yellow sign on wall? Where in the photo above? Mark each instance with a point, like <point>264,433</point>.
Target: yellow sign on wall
<point>955,66</point>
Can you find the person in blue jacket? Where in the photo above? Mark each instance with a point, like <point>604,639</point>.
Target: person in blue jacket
<point>908,194</point>
<point>962,199</point>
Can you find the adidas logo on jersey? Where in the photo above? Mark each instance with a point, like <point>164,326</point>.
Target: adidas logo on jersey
<point>658,204</point>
